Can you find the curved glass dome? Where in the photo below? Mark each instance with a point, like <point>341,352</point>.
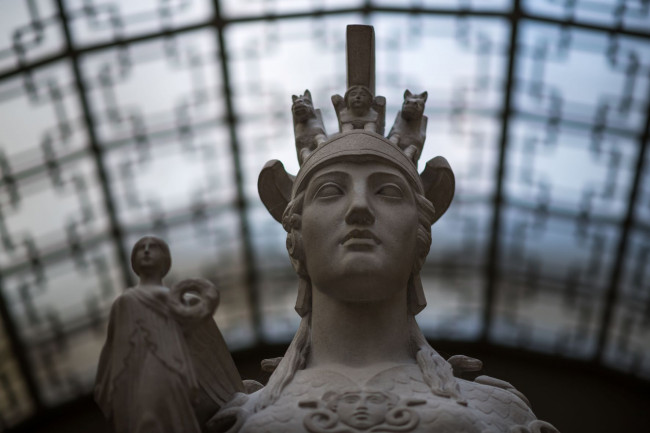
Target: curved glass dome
<point>121,118</point>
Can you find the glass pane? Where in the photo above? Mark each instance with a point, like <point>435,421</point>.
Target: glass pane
<point>547,318</point>
<point>567,173</point>
<point>66,366</point>
<point>461,236</point>
<point>577,78</point>
<point>172,178</point>
<point>554,272</point>
<point>51,211</point>
<point>447,4</point>
<point>237,8</point>
<point>93,22</point>
<point>164,86</point>
<point>60,309</point>
<point>63,294</point>
<point>31,30</point>
<point>41,119</point>
<point>454,302</point>
<point>633,15</point>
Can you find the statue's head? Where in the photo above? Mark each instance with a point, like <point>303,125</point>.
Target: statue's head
<point>302,107</point>
<point>358,98</point>
<point>413,105</point>
<point>150,256</point>
<point>356,214</point>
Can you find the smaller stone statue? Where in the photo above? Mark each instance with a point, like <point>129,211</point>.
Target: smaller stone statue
<point>360,109</point>
<point>165,366</point>
<point>410,128</point>
<point>307,125</point>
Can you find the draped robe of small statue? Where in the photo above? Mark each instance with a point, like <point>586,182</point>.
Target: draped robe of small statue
<point>145,380</point>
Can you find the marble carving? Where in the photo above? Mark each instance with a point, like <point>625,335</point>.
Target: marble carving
<point>358,218</point>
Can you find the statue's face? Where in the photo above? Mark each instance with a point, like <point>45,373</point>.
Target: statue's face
<point>302,108</point>
<point>363,410</point>
<point>359,99</point>
<point>149,257</point>
<point>359,231</point>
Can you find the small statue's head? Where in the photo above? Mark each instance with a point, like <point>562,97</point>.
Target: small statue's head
<point>303,107</point>
<point>151,256</point>
<point>413,105</point>
<point>358,98</point>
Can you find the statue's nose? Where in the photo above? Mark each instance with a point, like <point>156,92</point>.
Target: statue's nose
<point>359,211</point>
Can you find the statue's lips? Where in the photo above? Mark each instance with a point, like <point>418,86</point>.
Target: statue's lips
<point>361,238</point>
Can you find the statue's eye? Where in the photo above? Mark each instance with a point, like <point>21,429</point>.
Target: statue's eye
<point>329,190</point>
<point>376,399</point>
<point>390,190</point>
<point>350,399</point>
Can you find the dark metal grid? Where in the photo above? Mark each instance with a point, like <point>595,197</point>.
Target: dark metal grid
<point>252,283</point>
<point>628,225</point>
<point>95,148</point>
<point>515,17</point>
<point>493,248</point>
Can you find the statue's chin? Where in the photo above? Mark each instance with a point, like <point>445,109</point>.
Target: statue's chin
<point>361,289</point>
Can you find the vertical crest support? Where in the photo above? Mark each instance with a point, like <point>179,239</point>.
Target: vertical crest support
<point>360,50</point>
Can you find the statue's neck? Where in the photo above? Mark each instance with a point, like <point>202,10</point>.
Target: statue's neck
<point>359,334</point>
<point>148,280</point>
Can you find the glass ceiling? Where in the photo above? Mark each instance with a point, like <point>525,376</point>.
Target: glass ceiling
<point>121,118</point>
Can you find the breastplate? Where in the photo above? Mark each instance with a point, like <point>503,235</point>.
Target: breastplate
<point>394,400</point>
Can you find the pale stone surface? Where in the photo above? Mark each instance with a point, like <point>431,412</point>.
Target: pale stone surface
<point>165,366</point>
<point>308,125</point>
<point>410,128</point>
<point>358,217</point>
<point>396,399</point>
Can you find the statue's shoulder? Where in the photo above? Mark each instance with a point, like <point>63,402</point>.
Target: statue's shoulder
<point>126,300</point>
<point>498,400</point>
<point>314,398</point>
<point>151,296</point>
